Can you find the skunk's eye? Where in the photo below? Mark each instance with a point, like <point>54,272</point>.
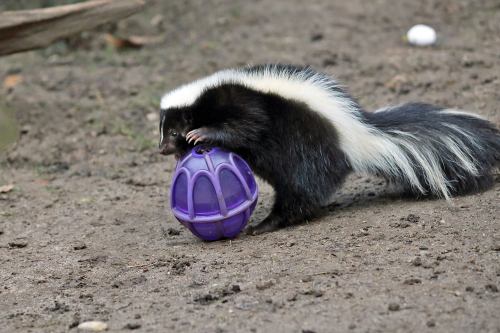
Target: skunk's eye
<point>173,133</point>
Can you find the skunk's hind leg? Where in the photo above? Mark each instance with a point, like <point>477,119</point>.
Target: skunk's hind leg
<point>303,183</point>
<point>289,208</point>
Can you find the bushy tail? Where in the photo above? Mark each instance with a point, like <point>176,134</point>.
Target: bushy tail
<point>434,151</point>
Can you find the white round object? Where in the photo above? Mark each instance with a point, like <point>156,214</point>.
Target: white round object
<point>421,35</point>
<point>94,326</point>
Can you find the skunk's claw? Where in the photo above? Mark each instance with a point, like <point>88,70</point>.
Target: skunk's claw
<point>198,135</point>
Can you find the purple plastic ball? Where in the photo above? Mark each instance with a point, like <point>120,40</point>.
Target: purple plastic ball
<point>213,193</point>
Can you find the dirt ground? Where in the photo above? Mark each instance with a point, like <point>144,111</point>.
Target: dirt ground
<point>87,233</point>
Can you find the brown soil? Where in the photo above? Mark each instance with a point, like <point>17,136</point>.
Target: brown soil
<point>86,234</point>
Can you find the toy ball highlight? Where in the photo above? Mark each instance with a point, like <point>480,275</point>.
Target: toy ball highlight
<point>213,193</point>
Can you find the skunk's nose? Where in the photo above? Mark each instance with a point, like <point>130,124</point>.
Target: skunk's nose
<point>162,151</point>
<point>166,148</point>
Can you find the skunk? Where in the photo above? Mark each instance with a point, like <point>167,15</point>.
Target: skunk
<point>303,134</point>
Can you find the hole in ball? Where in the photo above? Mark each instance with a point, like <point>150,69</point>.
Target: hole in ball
<point>202,149</point>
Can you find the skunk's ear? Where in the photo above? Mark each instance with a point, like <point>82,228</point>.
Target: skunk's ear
<point>187,117</point>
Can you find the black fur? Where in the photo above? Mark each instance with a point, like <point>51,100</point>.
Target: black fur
<point>297,151</point>
<point>430,126</point>
<point>285,143</point>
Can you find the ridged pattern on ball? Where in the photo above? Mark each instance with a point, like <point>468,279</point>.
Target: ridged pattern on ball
<point>213,193</point>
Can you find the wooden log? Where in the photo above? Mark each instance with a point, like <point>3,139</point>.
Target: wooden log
<point>30,29</point>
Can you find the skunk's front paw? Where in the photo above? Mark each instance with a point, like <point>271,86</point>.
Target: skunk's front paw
<point>197,135</point>
<point>269,224</point>
<point>201,134</point>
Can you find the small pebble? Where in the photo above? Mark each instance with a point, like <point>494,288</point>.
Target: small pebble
<point>412,281</point>
<point>417,261</point>
<point>94,326</point>
<point>394,307</point>
<point>132,326</point>
<point>264,284</point>
<point>316,37</point>
<point>173,232</point>
<point>18,244</point>
<point>307,278</point>
<point>492,288</point>
<point>311,291</point>
<point>74,323</point>
<point>431,323</point>
<point>25,129</point>
<point>79,246</point>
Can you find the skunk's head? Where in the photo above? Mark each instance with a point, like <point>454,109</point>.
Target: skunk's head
<point>174,125</point>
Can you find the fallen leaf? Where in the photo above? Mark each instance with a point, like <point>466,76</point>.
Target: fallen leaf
<point>396,82</point>
<point>43,182</point>
<point>85,200</point>
<point>157,20</point>
<point>12,80</point>
<point>119,43</point>
<point>6,188</point>
<point>145,40</point>
<point>132,42</point>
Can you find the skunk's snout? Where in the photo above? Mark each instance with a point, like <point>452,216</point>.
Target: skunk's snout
<point>166,148</point>
<point>163,151</point>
